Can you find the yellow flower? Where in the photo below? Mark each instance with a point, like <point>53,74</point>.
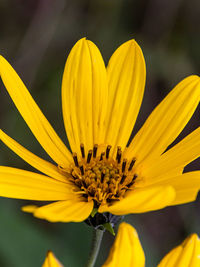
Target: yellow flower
<point>127,251</point>
<point>100,107</point>
<point>186,254</point>
<point>51,261</point>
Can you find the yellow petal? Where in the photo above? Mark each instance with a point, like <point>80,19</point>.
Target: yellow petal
<point>29,208</point>
<point>33,116</point>
<point>186,186</point>
<point>178,156</point>
<point>184,152</point>
<point>16,183</point>
<point>154,177</point>
<point>171,258</point>
<point>84,96</point>
<point>35,161</point>
<point>51,261</point>
<point>185,196</point>
<point>126,250</point>
<point>126,76</point>
<point>142,200</point>
<point>185,255</point>
<point>166,121</point>
<point>73,210</point>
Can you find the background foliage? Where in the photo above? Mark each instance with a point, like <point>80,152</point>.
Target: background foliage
<point>36,37</point>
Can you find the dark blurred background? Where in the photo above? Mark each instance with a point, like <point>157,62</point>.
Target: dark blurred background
<point>36,37</point>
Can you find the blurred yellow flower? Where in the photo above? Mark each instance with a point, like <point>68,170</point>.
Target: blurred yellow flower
<point>127,251</point>
<point>100,107</point>
<point>185,255</point>
<point>51,261</point>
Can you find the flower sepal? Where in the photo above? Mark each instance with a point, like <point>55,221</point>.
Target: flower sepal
<point>103,221</point>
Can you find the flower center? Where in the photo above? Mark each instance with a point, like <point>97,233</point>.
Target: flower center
<point>101,177</point>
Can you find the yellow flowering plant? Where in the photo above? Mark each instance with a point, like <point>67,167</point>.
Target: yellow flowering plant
<point>127,251</point>
<point>104,175</point>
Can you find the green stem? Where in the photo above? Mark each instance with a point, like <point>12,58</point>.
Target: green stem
<point>96,243</point>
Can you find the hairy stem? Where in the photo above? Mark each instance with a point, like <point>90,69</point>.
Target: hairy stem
<point>96,243</point>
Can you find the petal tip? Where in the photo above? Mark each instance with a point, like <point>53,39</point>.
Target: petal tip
<point>49,252</point>
<point>79,43</point>
<point>192,77</point>
<point>193,238</point>
<point>29,208</point>
<point>82,40</point>
<point>2,61</point>
<point>128,227</point>
<point>131,42</point>
<point>1,57</point>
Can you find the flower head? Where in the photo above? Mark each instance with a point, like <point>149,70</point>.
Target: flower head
<point>100,106</point>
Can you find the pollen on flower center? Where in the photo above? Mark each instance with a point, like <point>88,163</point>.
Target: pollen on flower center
<point>101,177</point>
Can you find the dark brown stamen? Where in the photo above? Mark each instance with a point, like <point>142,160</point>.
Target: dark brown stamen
<point>102,154</point>
<point>82,150</point>
<point>75,159</point>
<point>119,156</point>
<point>108,151</point>
<point>131,164</point>
<point>119,152</point>
<point>102,176</point>
<point>123,178</point>
<point>124,165</point>
<point>133,180</point>
<point>82,169</point>
<point>130,184</point>
<point>95,150</point>
<point>84,183</point>
<point>134,177</point>
<point>89,156</point>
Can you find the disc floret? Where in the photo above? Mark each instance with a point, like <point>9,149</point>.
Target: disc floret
<point>101,177</point>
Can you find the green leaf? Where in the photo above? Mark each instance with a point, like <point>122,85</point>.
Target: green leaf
<point>109,228</point>
<point>93,213</point>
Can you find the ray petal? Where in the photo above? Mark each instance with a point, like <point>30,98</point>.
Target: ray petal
<point>186,186</point>
<point>84,96</point>
<point>33,116</point>
<point>166,121</point>
<point>177,157</point>
<point>21,184</point>
<point>142,200</point>
<point>35,161</point>
<point>126,81</point>
<point>126,250</point>
<point>73,210</point>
